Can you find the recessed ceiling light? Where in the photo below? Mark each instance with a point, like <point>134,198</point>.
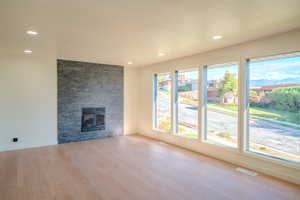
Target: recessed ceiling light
<point>161,54</point>
<point>27,51</point>
<point>217,37</point>
<point>32,33</point>
<point>129,63</point>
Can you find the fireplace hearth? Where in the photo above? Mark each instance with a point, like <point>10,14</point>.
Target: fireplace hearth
<point>93,119</point>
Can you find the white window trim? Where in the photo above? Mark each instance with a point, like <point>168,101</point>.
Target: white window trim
<point>203,105</point>
<point>243,128</point>
<point>154,103</point>
<point>175,100</point>
<point>243,106</point>
<point>246,150</point>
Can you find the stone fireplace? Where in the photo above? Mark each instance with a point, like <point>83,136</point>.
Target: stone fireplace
<point>90,101</point>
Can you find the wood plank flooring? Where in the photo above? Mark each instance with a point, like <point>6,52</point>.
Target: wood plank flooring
<point>129,167</point>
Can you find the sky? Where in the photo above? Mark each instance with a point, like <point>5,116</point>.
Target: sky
<point>278,69</point>
<point>212,74</point>
<point>190,75</point>
<point>218,72</point>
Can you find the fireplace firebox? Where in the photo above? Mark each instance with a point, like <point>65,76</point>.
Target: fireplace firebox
<point>93,119</point>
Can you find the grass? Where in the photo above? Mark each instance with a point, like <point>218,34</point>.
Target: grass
<point>165,124</point>
<point>276,115</point>
<point>164,92</point>
<point>191,135</point>
<point>189,101</point>
<point>266,113</point>
<point>224,134</point>
<point>230,107</point>
<point>182,129</point>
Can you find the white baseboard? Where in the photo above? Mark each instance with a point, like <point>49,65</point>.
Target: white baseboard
<point>25,146</point>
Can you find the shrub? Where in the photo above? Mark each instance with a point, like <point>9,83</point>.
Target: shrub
<point>165,124</point>
<point>184,88</point>
<point>260,104</point>
<point>286,98</point>
<point>224,134</point>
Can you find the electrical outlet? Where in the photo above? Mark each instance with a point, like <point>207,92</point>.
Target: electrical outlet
<point>15,139</point>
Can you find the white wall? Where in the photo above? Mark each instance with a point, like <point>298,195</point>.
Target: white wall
<point>130,100</point>
<point>28,101</point>
<point>283,43</point>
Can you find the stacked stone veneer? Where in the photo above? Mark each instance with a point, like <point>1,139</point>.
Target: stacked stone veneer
<point>81,85</point>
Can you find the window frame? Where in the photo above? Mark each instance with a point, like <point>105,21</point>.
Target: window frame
<point>175,92</point>
<point>154,103</point>
<point>246,147</point>
<point>203,113</point>
<point>243,109</point>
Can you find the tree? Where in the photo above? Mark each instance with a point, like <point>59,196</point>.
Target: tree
<point>228,84</point>
<point>286,98</point>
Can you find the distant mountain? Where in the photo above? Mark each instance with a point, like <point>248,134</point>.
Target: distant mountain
<point>263,82</point>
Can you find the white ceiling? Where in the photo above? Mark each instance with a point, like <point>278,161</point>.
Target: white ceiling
<point>118,31</point>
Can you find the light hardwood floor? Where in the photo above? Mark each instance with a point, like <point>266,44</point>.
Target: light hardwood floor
<point>129,167</point>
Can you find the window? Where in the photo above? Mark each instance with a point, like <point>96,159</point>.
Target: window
<point>162,101</point>
<point>271,91</point>
<point>187,103</point>
<point>274,106</point>
<point>221,104</point>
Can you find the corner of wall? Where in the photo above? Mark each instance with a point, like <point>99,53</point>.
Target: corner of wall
<point>130,100</point>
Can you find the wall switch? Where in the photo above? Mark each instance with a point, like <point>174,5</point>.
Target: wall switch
<point>15,139</point>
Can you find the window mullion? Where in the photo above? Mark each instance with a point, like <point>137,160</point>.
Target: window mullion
<point>202,103</point>
<point>173,112</point>
<point>174,103</point>
<point>154,116</point>
<point>243,106</point>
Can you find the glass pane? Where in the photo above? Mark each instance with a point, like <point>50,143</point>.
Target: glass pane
<point>163,101</point>
<point>222,104</point>
<point>274,101</point>
<point>187,96</point>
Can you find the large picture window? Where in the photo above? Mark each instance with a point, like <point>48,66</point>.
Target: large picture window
<point>162,101</point>
<point>221,92</point>
<point>187,103</point>
<point>269,102</point>
<point>274,106</point>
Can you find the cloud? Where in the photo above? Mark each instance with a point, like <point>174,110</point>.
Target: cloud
<point>279,76</point>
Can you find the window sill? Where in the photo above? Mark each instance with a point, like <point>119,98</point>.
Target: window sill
<point>250,154</point>
<point>231,148</point>
<point>161,131</point>
<point>186,137</point>
<point>278,161</point>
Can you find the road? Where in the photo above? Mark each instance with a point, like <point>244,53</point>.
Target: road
<point>261,132</point>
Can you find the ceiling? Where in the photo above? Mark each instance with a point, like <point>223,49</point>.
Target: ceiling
<point>119,31</point>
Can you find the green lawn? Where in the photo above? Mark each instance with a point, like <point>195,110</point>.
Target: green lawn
<point>182,129</point>
<point>164,92</point>
<point>191,135</point>
<point>267,113</point>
